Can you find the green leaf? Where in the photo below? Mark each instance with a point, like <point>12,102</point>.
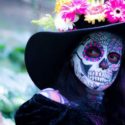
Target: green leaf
<point>46,22</point>
<point>5,104</point>
<point>2,47</point>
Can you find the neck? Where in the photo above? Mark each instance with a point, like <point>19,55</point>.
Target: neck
<point>94,98</point>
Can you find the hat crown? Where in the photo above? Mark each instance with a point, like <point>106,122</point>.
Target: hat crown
<point>69,12</point>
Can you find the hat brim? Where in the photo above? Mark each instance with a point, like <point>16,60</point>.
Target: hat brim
<point>46,52</point>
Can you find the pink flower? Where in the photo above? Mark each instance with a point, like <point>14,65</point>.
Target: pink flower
<point>76,7</point>
<point>68,12</point>
<point>115,11</point>
<point>80,6</point>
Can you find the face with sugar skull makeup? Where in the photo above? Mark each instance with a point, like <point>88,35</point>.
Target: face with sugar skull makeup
<point>96,61</point>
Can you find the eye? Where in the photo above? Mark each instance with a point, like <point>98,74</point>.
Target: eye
<point>93,52</point>
<point>114,57</point>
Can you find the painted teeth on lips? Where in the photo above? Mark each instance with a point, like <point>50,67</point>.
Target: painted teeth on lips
<point>98,74</point>
<point>98,79</point>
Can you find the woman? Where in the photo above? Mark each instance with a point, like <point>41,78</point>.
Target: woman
<point>80,87</point>
<point>80,74</point>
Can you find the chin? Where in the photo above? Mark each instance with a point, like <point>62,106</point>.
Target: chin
<point>98,86</point>
<point>101,87</point>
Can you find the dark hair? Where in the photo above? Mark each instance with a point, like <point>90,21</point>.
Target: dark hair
<point>68,84</point>
<point>73,90</point>
<point>114,99</point>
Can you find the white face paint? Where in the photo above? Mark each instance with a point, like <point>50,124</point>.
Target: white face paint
<point>97,59</point>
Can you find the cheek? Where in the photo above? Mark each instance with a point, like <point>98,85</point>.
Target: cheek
<point>76,65</point>
<point>115,67</point>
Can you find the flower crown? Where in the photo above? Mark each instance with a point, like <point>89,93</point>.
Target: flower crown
<point>68,12</point>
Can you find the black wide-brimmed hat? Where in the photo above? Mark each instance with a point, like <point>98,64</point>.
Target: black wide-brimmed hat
<point>46,52</point>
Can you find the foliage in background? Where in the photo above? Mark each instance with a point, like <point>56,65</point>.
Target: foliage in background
<point>16,56</point>
<point>15,85</point>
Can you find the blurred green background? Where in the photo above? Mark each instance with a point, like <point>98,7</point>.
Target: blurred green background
<point>15,29</point>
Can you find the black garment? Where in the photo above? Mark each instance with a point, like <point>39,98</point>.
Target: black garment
<point>40,110</point>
